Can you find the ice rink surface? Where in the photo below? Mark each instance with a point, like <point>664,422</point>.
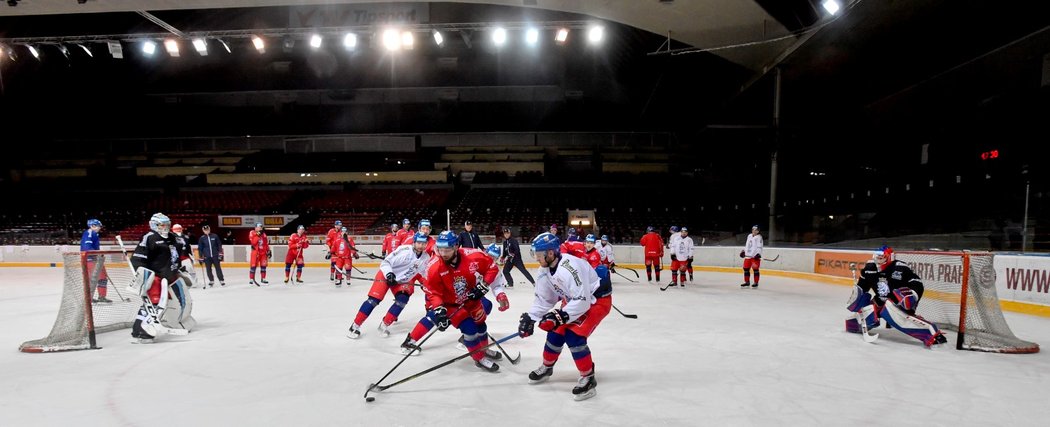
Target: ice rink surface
<point>709,354</point>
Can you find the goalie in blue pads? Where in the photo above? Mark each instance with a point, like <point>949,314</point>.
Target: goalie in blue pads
<point>897,291</point>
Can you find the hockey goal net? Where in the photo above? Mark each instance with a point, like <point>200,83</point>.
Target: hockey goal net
<point>960,296</point>
<point>95,299</point>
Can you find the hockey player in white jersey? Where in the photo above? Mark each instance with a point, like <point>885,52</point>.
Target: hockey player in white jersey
<point>752,255</point>
<point>397,274</point>
<point>608,257</point>
<point>681,252</point>
<point>563,277</point>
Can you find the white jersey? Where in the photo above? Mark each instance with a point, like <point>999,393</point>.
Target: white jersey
<point>682,248</point>
<point>404,263</point>
<point>497,285</point>
<point>672,239</point>
<point>753,246</point>
<point>606,251</point>
<point>574,281</point>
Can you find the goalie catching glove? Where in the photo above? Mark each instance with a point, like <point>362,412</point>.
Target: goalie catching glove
<point>553,320</point>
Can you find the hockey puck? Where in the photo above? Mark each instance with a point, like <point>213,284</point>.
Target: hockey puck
<point>370,399</point>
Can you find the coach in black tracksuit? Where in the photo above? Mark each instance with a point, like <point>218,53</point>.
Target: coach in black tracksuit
<point>468,238</point>
<point>511,257</point>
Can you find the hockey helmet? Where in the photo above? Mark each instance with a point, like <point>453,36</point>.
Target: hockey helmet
<point>177,229</point>
<point>649,229</point>
<point>93,222</point>
<point>546,242</point>
<point>605,238</point>
<point>589,238</point>
<point>393,226</point>
<point>883,256</point>
<point>447,239</point>
<point>338,223</point>
<point>493,250</point>
<point>424,223</point>
<point>674,229</point>
<point>420,238</point>
<point>160,224</point>
<point>406,221</point>
<point>300,228</point>
<point>685,230</point>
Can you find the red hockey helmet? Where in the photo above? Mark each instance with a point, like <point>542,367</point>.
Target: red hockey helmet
<point>883,257</point>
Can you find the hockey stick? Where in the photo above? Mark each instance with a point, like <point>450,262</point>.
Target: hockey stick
<point>513,361</point>
<point>629,316</point>
<point>625,277</point>
<point>862,322</point>
<point>151,310</point>
<point>403,359</point>
<point>774,259</point>
<point>440,365</point>
<point>668,286</point>
<point>636,275</point>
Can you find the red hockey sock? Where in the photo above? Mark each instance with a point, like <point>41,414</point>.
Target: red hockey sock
<point>418,331</point>
<point>360,319</point>
<point>585,365</point>
<point>389,318</point>
<point>478,355</point>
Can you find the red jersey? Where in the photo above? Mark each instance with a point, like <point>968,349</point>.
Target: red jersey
<point>297,242</point>
<point>430,243</point>
<point>575,249</point>
<point>593,257</point>
<point>448,285</point>
<point>331,238</point>
<point>259,241</point>
<point>653,244</point>
<point>389,243</point>
<point>341,248</point>
<point>402,234</point>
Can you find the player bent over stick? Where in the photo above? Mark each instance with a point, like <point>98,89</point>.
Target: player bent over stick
<point>399,270</point>
<point>563,277</point>
<point>897,294</point>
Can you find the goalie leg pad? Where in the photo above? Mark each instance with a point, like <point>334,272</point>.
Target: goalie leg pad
<point>912,325</point>
<point>858,300</point>
<point>143,282</point>
<point>870,318</point>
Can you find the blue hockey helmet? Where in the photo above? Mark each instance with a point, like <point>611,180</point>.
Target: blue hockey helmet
<point>338,223</point>
<point>300,228</point>
<point>674,228</point>
<point>424,223</point>
<point>572,231</point>
<point>93,222</point>
<point>393,226</point>
<point>493,250</point>
<point>447,239</point>
<point>420,237</point>
<point>685,229</point>
<point>406,221</point>
<point>589,238</point>
<point>258,224</point>
<point>546,242</point>
<point>649,229</point>
<point>157,220</point>
<point>605,238</point>
<point>343,229</point>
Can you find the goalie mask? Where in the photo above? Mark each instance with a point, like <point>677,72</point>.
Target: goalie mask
<point>883,257</point>
<point>160,224</point>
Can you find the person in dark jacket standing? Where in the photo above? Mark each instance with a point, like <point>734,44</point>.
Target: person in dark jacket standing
<point>210,250</point>
<point>511,258</point>
<point>468,238</point>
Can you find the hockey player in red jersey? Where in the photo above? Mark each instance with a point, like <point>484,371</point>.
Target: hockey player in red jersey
<point>405,265</point>
<point>424,227</point>
<point>587,298</point>
<point>575,248</point>
<point>260,254</point>
<point>653,246</point>
<point>592,255</point>
<point>455,285</point>
<point>330,240</point>
<point>390,241</point>
<point>405,232</point>
<point>297,243</point>
<point>344,253</point>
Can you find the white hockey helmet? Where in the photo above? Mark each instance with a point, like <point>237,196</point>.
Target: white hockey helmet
<point>160,224</point>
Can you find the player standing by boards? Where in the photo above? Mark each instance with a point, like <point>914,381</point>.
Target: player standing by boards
<point>297,243</point>
<point>330,240</point>
<point>653,247</point>
<point>563,277</point>
<point>608,257</point>
<point>681,252</point>
<point>96,263</point>
<point>390,241</point>
<point>752,255</point>
<point>343,255</point>
<point>897,293</point>
<point>260,255</point>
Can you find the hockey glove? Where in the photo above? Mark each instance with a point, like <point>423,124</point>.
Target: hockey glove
<point>553,320</point>
<point>356,256</point>
<point>479,291</point>
<point>440,318</point>
<point>269,254</point>
<point>391,280</point>
<point>504,303</point>
<point>526,326</point>
<point>758,256</point>
<point>741,254</point>
<point>328,255</point>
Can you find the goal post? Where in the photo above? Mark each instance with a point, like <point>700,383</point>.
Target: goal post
<point>960,295</point>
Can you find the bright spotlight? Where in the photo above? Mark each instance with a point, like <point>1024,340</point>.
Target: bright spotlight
<point>438,38</point>
<point>315,41</point>
<point>350,41</point>
<point>832,6</point>
<point>32,50</point>
<point>532,36</point>
<point>86,50</point>
<point>149,47</point>
<point>499,36</point>
<point>224,45</point>
<point>408,40</point>
<point>260,45</point>
<point>172,47</point>
<point>595,34</point>
<point>562,36</point>
<point>391,39</point>
<point>201,46</point>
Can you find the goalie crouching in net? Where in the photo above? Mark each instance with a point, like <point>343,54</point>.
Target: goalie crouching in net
<point>157,273</point>
<point>897,294</point>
